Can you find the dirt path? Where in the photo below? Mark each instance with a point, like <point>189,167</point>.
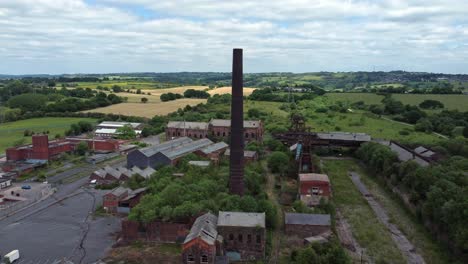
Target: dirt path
<point>403,244</point>
<point>277,233</point>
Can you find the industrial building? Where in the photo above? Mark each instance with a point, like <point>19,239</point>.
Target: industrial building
<point>108,129</point>
<point>167,153</point>
<point>244,234</point>
<point>203,244</point>
<point>109,175</point>
<point>313,187</point>
<point>249,155</point>
<point>43,149</point>
<point>216,128</point>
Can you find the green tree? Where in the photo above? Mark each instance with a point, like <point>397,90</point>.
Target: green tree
<point>278,162</point>
<point>126,132</point>
<point>82,148</point>
<point>144,100</point>
<point>28,101</point>
<point>431,104</point>
<point>465,132</point>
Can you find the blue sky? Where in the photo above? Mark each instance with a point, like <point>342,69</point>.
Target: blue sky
<point>101,36</point>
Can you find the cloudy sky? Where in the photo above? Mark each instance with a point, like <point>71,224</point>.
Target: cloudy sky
<point>99,36</point>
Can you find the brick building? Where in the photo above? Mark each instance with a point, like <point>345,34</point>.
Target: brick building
<point>203,243</point>
<point>111,200</point>
<point>126,204</point>
<point>156,231</point>
<point>216,128</point>
<point>109,175</point>
<point>249,155</point>
<point>221,128</point>
<point>213,152</point>
<point>313,187</point>
<point>43,149</point>
<point>243,233</point>
<point>176,129</point>
<point>306,225</point>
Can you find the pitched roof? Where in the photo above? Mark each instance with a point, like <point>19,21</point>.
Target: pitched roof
<point>307,219</point>
<point>185,149</point>
<point>241,219</point>
<point>187,125</point>
<point>150,151</point>
<point>227,123</point>
<point>205,228</point>
<point>313,177</point>
<point>214,147</point>
<point>117,124</point>
<point>118,191</point>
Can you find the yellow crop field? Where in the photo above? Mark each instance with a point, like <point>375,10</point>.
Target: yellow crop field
<point>227,90</point>
<point>179,90</point>
<point>146,110</point>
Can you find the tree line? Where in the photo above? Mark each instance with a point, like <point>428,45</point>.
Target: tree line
<point>438,192</point>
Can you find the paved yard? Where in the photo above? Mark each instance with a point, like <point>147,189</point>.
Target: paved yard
<point>61,228</point>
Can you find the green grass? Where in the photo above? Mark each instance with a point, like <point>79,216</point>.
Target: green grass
<point>450,101</point>
<point>125,84</point>
<point>367,229</point>
<point>368,98</point>
<point>13,131</point>
<point>406,222</point>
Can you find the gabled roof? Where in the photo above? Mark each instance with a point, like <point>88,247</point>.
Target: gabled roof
<point>214,147</point>
<point>313,177</point>
<point>204,228</point>
<point>307,219</point>
<point>187,125</point>
<point>227,123</point>
<point>118,191</point>
<point>186,148</point>
<point>150,151</point>
<point>241,219</point>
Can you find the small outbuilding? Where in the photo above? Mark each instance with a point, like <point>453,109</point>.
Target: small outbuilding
<point>306,225</point>
<point>313,187</point>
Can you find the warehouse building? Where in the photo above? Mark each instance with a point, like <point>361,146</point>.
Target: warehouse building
<point>108,129</point>
<point>167,153</point>
<point>176,129</point>
<point>43,149</point>
<point>306,225</point>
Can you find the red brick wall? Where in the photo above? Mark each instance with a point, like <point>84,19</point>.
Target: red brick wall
<point>154,232</point>
<point>305,186</point>
<point>40,147</point>
<point>180,132</point>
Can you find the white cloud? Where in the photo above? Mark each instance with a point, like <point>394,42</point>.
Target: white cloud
<point>57,36</point>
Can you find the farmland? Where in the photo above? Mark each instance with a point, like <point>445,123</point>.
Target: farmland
<point>147,110</point>
<point>13,131</point>
<point>450,101</point>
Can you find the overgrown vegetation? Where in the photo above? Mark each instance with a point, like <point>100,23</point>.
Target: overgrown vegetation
<point>438,192</point>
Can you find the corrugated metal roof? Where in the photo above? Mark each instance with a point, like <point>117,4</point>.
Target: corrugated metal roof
<point>150,151</point>
<point>241,219</point>
<point>205,228</point>
<point>214,147</point>
<point>227,123</point>
<point>345,136</point>
<point>186,148</point>
<point>187,125</point>
<point>119,191</point>
<point>199,163</point>
<point>117,124</point>
<point>307,219</point>
<point>313,177</point>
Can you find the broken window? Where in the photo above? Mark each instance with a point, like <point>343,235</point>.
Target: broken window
<point>190,258</point>
<point>204,259</point>
<point>240,238</point>
<point>259,239</point>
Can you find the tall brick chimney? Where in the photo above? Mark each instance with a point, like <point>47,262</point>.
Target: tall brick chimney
<point>236,165</point>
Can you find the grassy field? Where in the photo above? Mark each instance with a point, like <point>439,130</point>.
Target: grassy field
<point>367,229</point>
<point>13,131</point>
<point>147,110</point>
<point>451,101</point>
